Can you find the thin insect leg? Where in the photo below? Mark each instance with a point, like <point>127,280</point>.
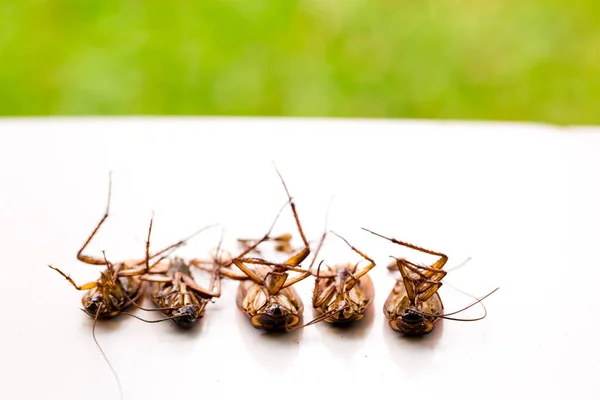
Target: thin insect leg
<point>148,244</point>
<point>224,271</point>
<point>366,269</point>
<point>409,283</point>
<point>427,285</point>
<point>248,243</point>
<point>415,293</point>
<point>147,269</point>
<point>240,264</point>
<point>155,269</point>
<point>89,259</point>
<point>438,264</point>
<point>238,261</point>
<point>438,274</point>
<point>321,275</point>
<point>132,302</point>
<point>109,265</point>
<point>319,247</point>
<point>87,286</point>
<point>174,246</point>
<point>190,283</point>
<point>293,205</point>
<point>292,281</point>
<point>302,254</point>
<point>249,249</point>
<point>426,281</point>
<point>319,299</point>
<point>215,277</point>
<point>156,278</point>
<point>406,244</point>
<point>316,294</point>
<point>260,261</point>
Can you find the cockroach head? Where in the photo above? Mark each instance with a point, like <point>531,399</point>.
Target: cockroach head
<point>187,316</point>
<point>411,317</point>
<point>275,317</point>
<point>94,304</point>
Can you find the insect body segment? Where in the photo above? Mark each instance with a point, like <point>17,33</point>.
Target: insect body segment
<point>176,293</point>
<point>414,305</point>
<point>110,294</point>
<point>267,297</point>
<point>173,289</point>
<point>406,318</point>
<point>116,288</point>
<point>342,294</point>
<point>269,300</point>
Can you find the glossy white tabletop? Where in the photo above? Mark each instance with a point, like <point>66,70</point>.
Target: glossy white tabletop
<point>522,200</point>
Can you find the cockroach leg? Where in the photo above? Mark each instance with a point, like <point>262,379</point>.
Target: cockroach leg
<point>87,286</point>
<point>89,259</point>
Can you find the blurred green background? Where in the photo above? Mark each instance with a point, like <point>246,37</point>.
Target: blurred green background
<point>511,60</point>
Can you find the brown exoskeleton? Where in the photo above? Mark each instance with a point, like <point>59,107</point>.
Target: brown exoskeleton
<point>266,294</point>
<point>118,286</point>
<point>414,305</point>
<point>174,290</point>
<point>341,294</point>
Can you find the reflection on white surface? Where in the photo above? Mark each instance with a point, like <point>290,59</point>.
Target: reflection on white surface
<point>521,200</point>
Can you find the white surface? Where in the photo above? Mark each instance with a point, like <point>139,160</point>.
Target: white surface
<point>522,200</point>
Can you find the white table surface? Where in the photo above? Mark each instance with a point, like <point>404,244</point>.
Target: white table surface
<point>522,200</point>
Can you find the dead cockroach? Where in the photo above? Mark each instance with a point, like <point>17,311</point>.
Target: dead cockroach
<point>341,294</point>
<point>414,305</point>
<point>174,290</point>
<point>118,286</point>
<point>267,297</point>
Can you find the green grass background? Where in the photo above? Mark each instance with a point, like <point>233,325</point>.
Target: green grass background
<point>535,60</point>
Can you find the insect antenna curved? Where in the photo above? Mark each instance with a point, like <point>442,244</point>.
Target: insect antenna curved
<point>147,320</point>
<point>446,316</point>
<point>104,355</point>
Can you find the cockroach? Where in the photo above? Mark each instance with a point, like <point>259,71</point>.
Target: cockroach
<point>118,286</point>
<point>173,289</point>
<point>414,306</point>
<point>341,294</point>
<point>267,297</point>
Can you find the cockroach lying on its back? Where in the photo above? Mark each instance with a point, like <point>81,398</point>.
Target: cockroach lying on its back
<point>342,294</point>
<point>173,288</point>
<point>414,305</point>
<point>118,286</point>
<point>265,293</point>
